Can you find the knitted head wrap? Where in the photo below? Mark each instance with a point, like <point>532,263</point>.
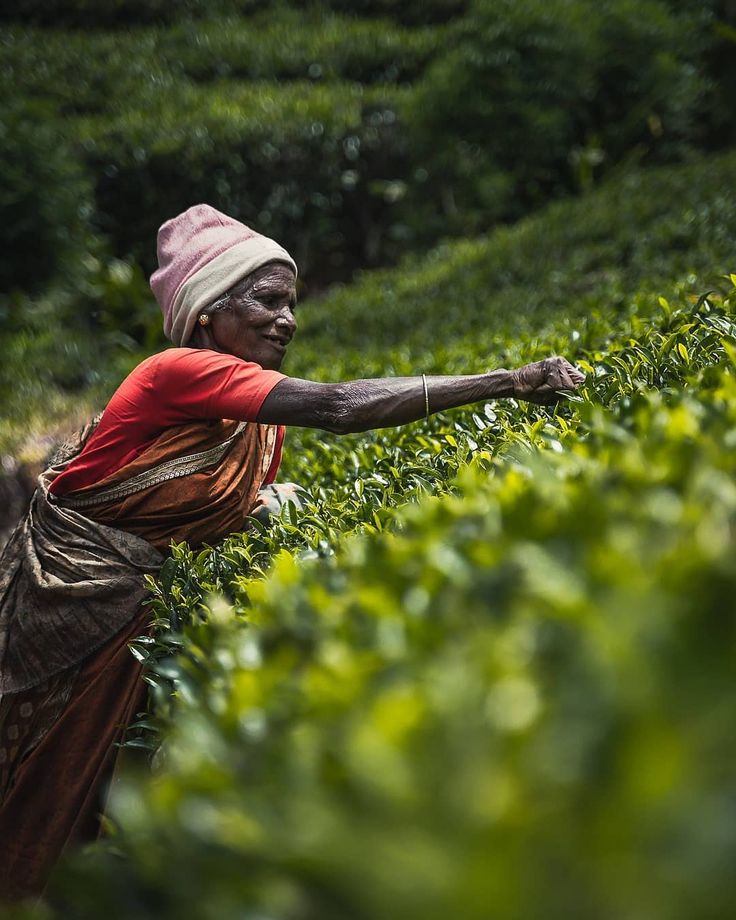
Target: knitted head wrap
<point>202,253</point>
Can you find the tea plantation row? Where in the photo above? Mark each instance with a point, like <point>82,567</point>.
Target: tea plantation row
<point>512,698</point>
<point>350,139</point>
<point>489,669</point>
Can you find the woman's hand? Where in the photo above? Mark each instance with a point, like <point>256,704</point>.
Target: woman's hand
<point>539,382</point>
<point>271,499</point>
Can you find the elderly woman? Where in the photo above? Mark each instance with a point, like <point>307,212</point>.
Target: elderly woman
<point>181,452</point>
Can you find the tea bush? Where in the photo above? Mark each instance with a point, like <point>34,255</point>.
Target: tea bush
<point>301,44</point>
<point>471,297</point>
<point>98,72</point>
<point>509,699</point>
<point>305,163</point>
<point>194,112</point>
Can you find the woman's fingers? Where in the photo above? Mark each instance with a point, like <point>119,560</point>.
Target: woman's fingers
<point>540,381</point>
<point>569,375</point>
<point>562,375</point>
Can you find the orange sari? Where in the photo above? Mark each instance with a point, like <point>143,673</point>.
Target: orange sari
<point>71,587</point>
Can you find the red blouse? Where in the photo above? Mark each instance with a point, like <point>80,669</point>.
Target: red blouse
<point>173,387</point>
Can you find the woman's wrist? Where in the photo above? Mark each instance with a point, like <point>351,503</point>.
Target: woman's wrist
<point>500,383</point>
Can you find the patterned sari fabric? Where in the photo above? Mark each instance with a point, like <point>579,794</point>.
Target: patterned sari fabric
<point>71,587</point>
<point>196,482</point>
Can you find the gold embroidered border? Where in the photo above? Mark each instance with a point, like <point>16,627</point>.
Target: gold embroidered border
<point>169,469</point>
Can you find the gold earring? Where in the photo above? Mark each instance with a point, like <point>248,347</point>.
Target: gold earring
<point>204,320</point>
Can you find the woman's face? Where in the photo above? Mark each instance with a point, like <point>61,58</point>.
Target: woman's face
<point>257,323</point>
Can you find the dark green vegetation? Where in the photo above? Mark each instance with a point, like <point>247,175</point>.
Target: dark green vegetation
<point>488,671</point>
<point>354,138</point>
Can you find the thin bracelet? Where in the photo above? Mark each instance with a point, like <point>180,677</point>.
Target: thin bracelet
<point>426,396</point>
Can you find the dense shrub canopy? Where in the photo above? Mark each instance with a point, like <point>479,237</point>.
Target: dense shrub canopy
<point>533,98</point>
<point>45,200</point>
<point>357,134</point>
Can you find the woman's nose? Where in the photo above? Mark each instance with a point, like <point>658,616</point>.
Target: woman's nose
<point>287,320</point>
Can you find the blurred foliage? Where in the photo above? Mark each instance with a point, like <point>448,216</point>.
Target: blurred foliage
<point>532,99</point>
<point>300,44</point>
<point>305,164</point>
<point>408,12</point>
<point>126,13</point>
<point>45,200</point>
<point>721,63</point>
<point>65,350</point>
<point>90,14</point>
<point>355,134</point>
<point>92,73</point>
<point>311,162</point>
<point>470,304</point>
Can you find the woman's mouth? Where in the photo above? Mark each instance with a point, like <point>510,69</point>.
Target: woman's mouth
<point>279,342</point>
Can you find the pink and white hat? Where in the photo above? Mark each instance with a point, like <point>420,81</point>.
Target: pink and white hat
<point>201,254</point>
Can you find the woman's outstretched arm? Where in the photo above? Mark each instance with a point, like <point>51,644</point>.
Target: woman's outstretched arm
<point>360,405</point>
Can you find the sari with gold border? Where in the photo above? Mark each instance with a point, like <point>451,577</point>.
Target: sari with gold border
<point>71,592</point>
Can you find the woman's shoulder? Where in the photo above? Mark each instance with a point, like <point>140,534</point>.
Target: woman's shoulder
<point>145,380</point>
<point>156,387</point>
<point>172,363</point>
<point>183,376</point>
<point>181,357</point>
<point>169,357</point>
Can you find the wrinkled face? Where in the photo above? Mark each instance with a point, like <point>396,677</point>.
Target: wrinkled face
<point>257,322</point>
